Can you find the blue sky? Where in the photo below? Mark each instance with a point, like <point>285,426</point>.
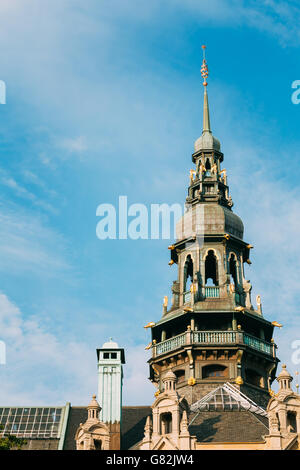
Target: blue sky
<point>104,98</point>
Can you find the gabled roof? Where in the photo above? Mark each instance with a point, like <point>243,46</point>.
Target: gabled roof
<point>227,397</point>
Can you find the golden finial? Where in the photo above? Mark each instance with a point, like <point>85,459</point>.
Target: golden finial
<point>156,394</point>
<point>204,68</point>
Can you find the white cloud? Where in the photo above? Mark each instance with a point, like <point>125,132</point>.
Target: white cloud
<point>44,370</point>
<point>75,145</point>
<point>27,245</point>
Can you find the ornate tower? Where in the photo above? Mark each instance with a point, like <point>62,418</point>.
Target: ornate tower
<point>93,435</point>
<point>212,333</point>
<point>110,380</point>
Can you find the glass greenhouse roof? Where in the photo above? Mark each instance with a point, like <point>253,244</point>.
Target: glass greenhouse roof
<point>32,422</point>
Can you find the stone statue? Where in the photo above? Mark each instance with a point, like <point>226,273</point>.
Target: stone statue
<point>224,176</point>
<point>258,301</point>
<point>214,169</point>
<point>247,286</point>
<point>192,174</point>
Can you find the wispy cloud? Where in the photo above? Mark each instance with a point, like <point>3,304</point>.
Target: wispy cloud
<point>22,192</point>
<point>27,245</point>
<point>280,19</point>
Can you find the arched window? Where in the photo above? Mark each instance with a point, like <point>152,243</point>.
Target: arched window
<point>166,423</point>
<point>291,421</point>
<point>211,269</point>
<point>207,165</point>
<point>188,274</point>
<point>252,377</point>
<point>97,444</point>
<point>180,374</point>
<point>214,370</point>
<point>233,269</point>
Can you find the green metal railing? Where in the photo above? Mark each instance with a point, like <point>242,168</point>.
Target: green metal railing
<point>212,338</point>
<point>212,292</point>
<point>258,344</point>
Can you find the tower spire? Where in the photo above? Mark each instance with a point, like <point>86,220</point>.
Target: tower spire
<point>204,73</point>
<point>206,141</point>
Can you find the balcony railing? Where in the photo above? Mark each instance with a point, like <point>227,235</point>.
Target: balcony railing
<point>212,292</point>
<point>258,344</point>
<point>170,344</point>
<point>187,297</point>
<point>212,338</point>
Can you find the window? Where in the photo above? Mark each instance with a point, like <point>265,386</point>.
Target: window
<point>214,370</point>
<point>180,374</point>
<point>291,421</point>
<point>97,444</point>
<point>105,355</point>
<point>188,274</point>
<point>166,423</point>
<point>114,355</point>
<point>252,377</point>
<point>207,164</point>
<point>233,269</point>
<point>211,269</point>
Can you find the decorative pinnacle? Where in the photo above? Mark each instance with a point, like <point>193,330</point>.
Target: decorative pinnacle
<point>204,68</point>
<point>204,73</point>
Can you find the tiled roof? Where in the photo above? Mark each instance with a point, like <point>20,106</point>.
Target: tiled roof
<point>227,426</point>
<point>77,415</point>
<point>133,423</point>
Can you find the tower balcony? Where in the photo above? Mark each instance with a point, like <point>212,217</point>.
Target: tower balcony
<point>212,292</point>
<point>207,292</point>
<point>213,338</point>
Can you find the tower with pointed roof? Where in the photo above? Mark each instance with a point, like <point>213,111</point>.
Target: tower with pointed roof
<point>211,333</point>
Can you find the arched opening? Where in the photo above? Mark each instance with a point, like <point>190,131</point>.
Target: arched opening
<point>214,370</point>
<point>166,423</point>
<point>291,421</point>
<point>97,444</point>
<point>233,270</point>
<point>253,378</point>
<point>207,165</point>
<point>180,374</point>
<point>188,274</point>
<point>211,269</point>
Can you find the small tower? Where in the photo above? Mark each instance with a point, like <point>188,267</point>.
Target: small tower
<point>284,380</point>
<point>168,428</point>
<point>284,415</point>
<point>110,381</point>
<point>92,435</point>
